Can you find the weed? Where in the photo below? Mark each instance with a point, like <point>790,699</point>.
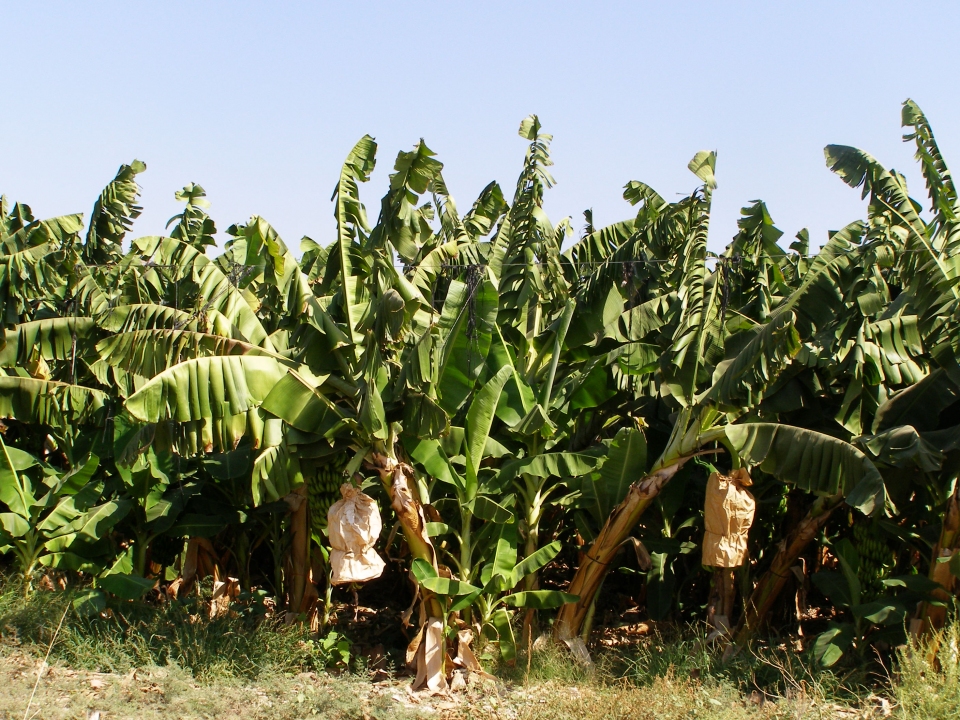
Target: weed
<point>927,682</point>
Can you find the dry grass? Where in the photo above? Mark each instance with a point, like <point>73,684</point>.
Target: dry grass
<point>154,693</point>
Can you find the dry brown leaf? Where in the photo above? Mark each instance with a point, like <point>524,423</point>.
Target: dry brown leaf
<point>223,593</point>
<point>173,589</point>
<point>465,657</point>
<point>413,650</point>
<point>430,675</point>
<point>458,681</point>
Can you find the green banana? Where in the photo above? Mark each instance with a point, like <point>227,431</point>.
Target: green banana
<point>323,490</point>
<point>877,560</point>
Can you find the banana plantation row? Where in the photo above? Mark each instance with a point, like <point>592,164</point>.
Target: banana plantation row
<point>518,409</point>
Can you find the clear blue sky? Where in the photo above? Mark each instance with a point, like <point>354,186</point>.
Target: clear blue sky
<point>260,102</point>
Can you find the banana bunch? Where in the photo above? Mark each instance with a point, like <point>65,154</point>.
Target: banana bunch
<point>323,490</point>
<point>876,560</point>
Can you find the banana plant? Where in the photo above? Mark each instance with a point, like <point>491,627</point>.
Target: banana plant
<point>913,438</point>
<point>546,388</point>
<point>163,495</point>
<point>723,409</point>
<point>924,260</point>
<point>469,492</point>
<point>53,518</point>
<point>219,392</point>
<point>494,603</point>
<point>868,621</point>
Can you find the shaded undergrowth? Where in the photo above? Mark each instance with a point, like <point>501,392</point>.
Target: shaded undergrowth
<point>669,673</point>
<point>679,672</point>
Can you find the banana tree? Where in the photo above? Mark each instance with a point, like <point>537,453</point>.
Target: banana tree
<point>498,575</point>
<point>546,388</point>
<point>219,391</point>
<point>719,398</point>
<point>925,266</point>
<point>484,373</point>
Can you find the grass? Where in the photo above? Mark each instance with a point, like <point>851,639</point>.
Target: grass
<point>153,693</point>
<point>172,661</point>
<point>177,634</point>
<point>768,671</point>
<point>926,690</point>
<point>678,675</point>
<point>663,679</point>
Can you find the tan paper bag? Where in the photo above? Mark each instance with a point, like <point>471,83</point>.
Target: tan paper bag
<point>354,525</point>
<point>728,514</point>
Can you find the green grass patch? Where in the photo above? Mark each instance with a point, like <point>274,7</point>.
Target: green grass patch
<point>201,666</point>
<point>244,644</point>
<point>926,683</point>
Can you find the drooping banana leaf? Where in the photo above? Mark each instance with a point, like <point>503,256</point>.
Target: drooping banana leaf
<point>149,352</point>
<point>347,266</point>
<point>919,405</point>
<point>47,402</point>
<point>601,492</point>
<point>50,339</point>
<point>216,291</point>
<point>204,388</point>
<point>811,461</point>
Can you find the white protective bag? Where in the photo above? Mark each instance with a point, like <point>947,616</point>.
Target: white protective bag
<point>354,525</point>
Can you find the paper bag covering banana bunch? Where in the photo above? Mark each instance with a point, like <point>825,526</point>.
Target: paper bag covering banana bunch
<point>728,514</point>
<point>353,525</point>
